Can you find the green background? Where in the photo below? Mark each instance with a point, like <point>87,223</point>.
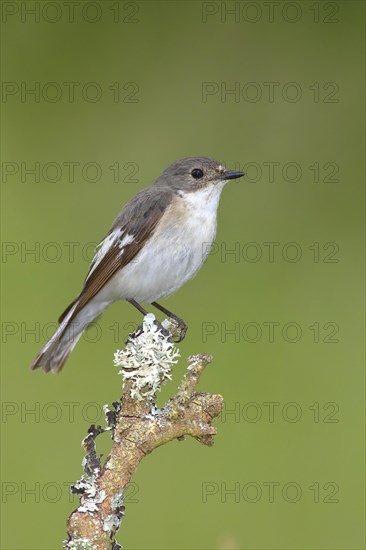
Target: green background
<point>168,50</point>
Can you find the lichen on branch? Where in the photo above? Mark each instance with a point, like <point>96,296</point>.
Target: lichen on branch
<point>138,427</point>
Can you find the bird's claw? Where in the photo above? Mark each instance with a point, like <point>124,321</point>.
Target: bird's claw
<point>182,331</point>
<point>179,329</point>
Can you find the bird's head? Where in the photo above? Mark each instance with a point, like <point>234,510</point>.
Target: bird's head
<point>194,173</point>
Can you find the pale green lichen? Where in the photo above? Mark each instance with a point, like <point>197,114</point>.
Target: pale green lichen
<point>117,500</point>
<point>78,544</point>
<point>91,496</point>
<point>147,360</point>
<point>111,522</point>
<point>114,520</point>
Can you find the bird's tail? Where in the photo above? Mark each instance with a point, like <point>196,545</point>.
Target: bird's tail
<point>55,352</point>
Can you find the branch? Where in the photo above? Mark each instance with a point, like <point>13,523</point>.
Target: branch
<point>137,428</point>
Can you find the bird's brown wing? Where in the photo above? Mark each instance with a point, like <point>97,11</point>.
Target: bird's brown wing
<point>138,219</point>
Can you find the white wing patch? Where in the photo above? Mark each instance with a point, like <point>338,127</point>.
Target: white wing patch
<point>116,237</point>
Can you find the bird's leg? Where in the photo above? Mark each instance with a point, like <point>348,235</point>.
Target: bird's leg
<point>182,327</point>
<point>139,329</point>
<point>137,306</point>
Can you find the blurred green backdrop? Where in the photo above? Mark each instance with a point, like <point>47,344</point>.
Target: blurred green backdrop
<point>122,89</point>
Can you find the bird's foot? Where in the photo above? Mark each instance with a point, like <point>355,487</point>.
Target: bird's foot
<point>179,328</point>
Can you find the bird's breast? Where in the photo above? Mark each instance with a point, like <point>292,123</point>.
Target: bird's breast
<point>193,216</point>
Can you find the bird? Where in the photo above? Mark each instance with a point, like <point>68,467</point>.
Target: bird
<point>158,242</point>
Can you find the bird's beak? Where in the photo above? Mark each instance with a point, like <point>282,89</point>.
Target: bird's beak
<point>231,175</point>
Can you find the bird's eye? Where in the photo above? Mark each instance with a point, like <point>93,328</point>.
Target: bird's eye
<point>197,173</point>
